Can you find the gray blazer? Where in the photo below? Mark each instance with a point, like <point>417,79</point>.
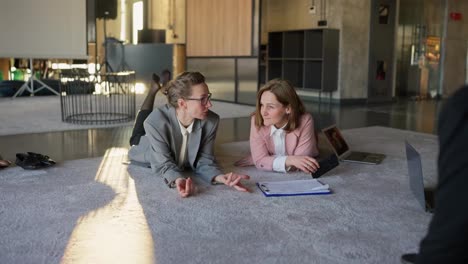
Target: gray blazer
<point>160,146</point>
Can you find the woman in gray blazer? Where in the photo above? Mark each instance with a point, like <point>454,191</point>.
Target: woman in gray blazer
<point>180,135</point>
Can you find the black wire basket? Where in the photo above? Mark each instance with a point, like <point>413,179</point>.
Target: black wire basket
<point>102,98</point>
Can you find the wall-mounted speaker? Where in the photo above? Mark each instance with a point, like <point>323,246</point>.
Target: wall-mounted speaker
<point>106,9</point>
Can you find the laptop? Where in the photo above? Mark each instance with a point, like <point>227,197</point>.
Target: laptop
<point>326,165</point>
<point>341,148</point>
<point>425,196</point>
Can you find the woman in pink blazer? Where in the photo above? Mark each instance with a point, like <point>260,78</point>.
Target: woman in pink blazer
<point>282,135</point>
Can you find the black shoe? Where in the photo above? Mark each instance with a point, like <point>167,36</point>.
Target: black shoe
<point>409,258</point>
<point>33,161</point>
<point>42,158</point>
<point>26,162</point>
<point>156,78</point>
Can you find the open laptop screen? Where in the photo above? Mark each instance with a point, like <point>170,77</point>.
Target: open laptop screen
<point>336,139</point>
<point>415,173</point>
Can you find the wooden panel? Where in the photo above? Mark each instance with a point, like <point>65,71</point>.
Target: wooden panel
<point>179,59</point>
<point>5,68</point>
<point>91,52</point>
<point>158,14</point>
<point>176,34</point>
<point>168,15</point>
<point>219,27</point>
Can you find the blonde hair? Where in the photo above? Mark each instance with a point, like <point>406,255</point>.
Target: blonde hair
<point>285,94</point>
<point>181,86</point>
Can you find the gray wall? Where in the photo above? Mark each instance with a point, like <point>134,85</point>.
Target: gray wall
<point>455,60</point>
<point>144,59</point>
<point>229,79</point>
<point>354,51</point>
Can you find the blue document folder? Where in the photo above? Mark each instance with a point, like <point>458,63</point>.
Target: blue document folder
<point>293,188</point>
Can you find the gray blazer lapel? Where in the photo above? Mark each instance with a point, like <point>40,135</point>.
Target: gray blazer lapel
<point>175,133</point>
<point>194,142</point>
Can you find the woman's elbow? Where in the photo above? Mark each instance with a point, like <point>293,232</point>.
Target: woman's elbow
<point>261,165</point>
<point>315,152</point>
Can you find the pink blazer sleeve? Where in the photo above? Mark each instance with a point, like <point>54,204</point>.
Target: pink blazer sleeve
<point>303,141</point>
<point>259,138</point>
<point>300,142</point>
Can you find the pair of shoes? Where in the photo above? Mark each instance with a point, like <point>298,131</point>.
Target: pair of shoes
<point>155,78</point>
<point>33,161</point>
<point>157,82</point>
<point>4,163</point>
<point>409,258</point>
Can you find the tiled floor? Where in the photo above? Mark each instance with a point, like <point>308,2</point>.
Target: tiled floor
<point>418,116</point>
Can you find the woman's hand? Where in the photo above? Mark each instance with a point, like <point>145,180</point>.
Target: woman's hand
<point>304,163</point>
<point>233,180</point>
<point>184,186</point>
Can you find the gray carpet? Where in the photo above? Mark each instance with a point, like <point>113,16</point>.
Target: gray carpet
<point>102,211</point>
<point>24,115</point>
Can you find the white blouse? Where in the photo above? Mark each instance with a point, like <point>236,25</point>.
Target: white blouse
<point>279,140</point>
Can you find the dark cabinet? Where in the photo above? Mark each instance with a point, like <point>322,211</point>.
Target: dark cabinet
<point>307,58</point>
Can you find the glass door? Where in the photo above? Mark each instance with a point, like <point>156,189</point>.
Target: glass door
<point>419,46</point>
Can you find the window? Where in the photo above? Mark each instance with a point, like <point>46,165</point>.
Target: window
<point>137,20</point>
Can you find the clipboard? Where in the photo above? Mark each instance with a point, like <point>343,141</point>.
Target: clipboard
<point>293,188</point>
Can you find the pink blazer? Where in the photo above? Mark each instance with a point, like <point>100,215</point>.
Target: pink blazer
<point>300,142</point>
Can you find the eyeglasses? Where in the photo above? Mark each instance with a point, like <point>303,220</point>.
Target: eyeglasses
<point>204,100</point>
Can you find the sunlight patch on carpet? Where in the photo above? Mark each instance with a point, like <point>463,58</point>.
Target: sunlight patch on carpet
<point>117,232</point>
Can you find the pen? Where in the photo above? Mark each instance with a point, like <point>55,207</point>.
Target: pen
<point>264,187</point>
